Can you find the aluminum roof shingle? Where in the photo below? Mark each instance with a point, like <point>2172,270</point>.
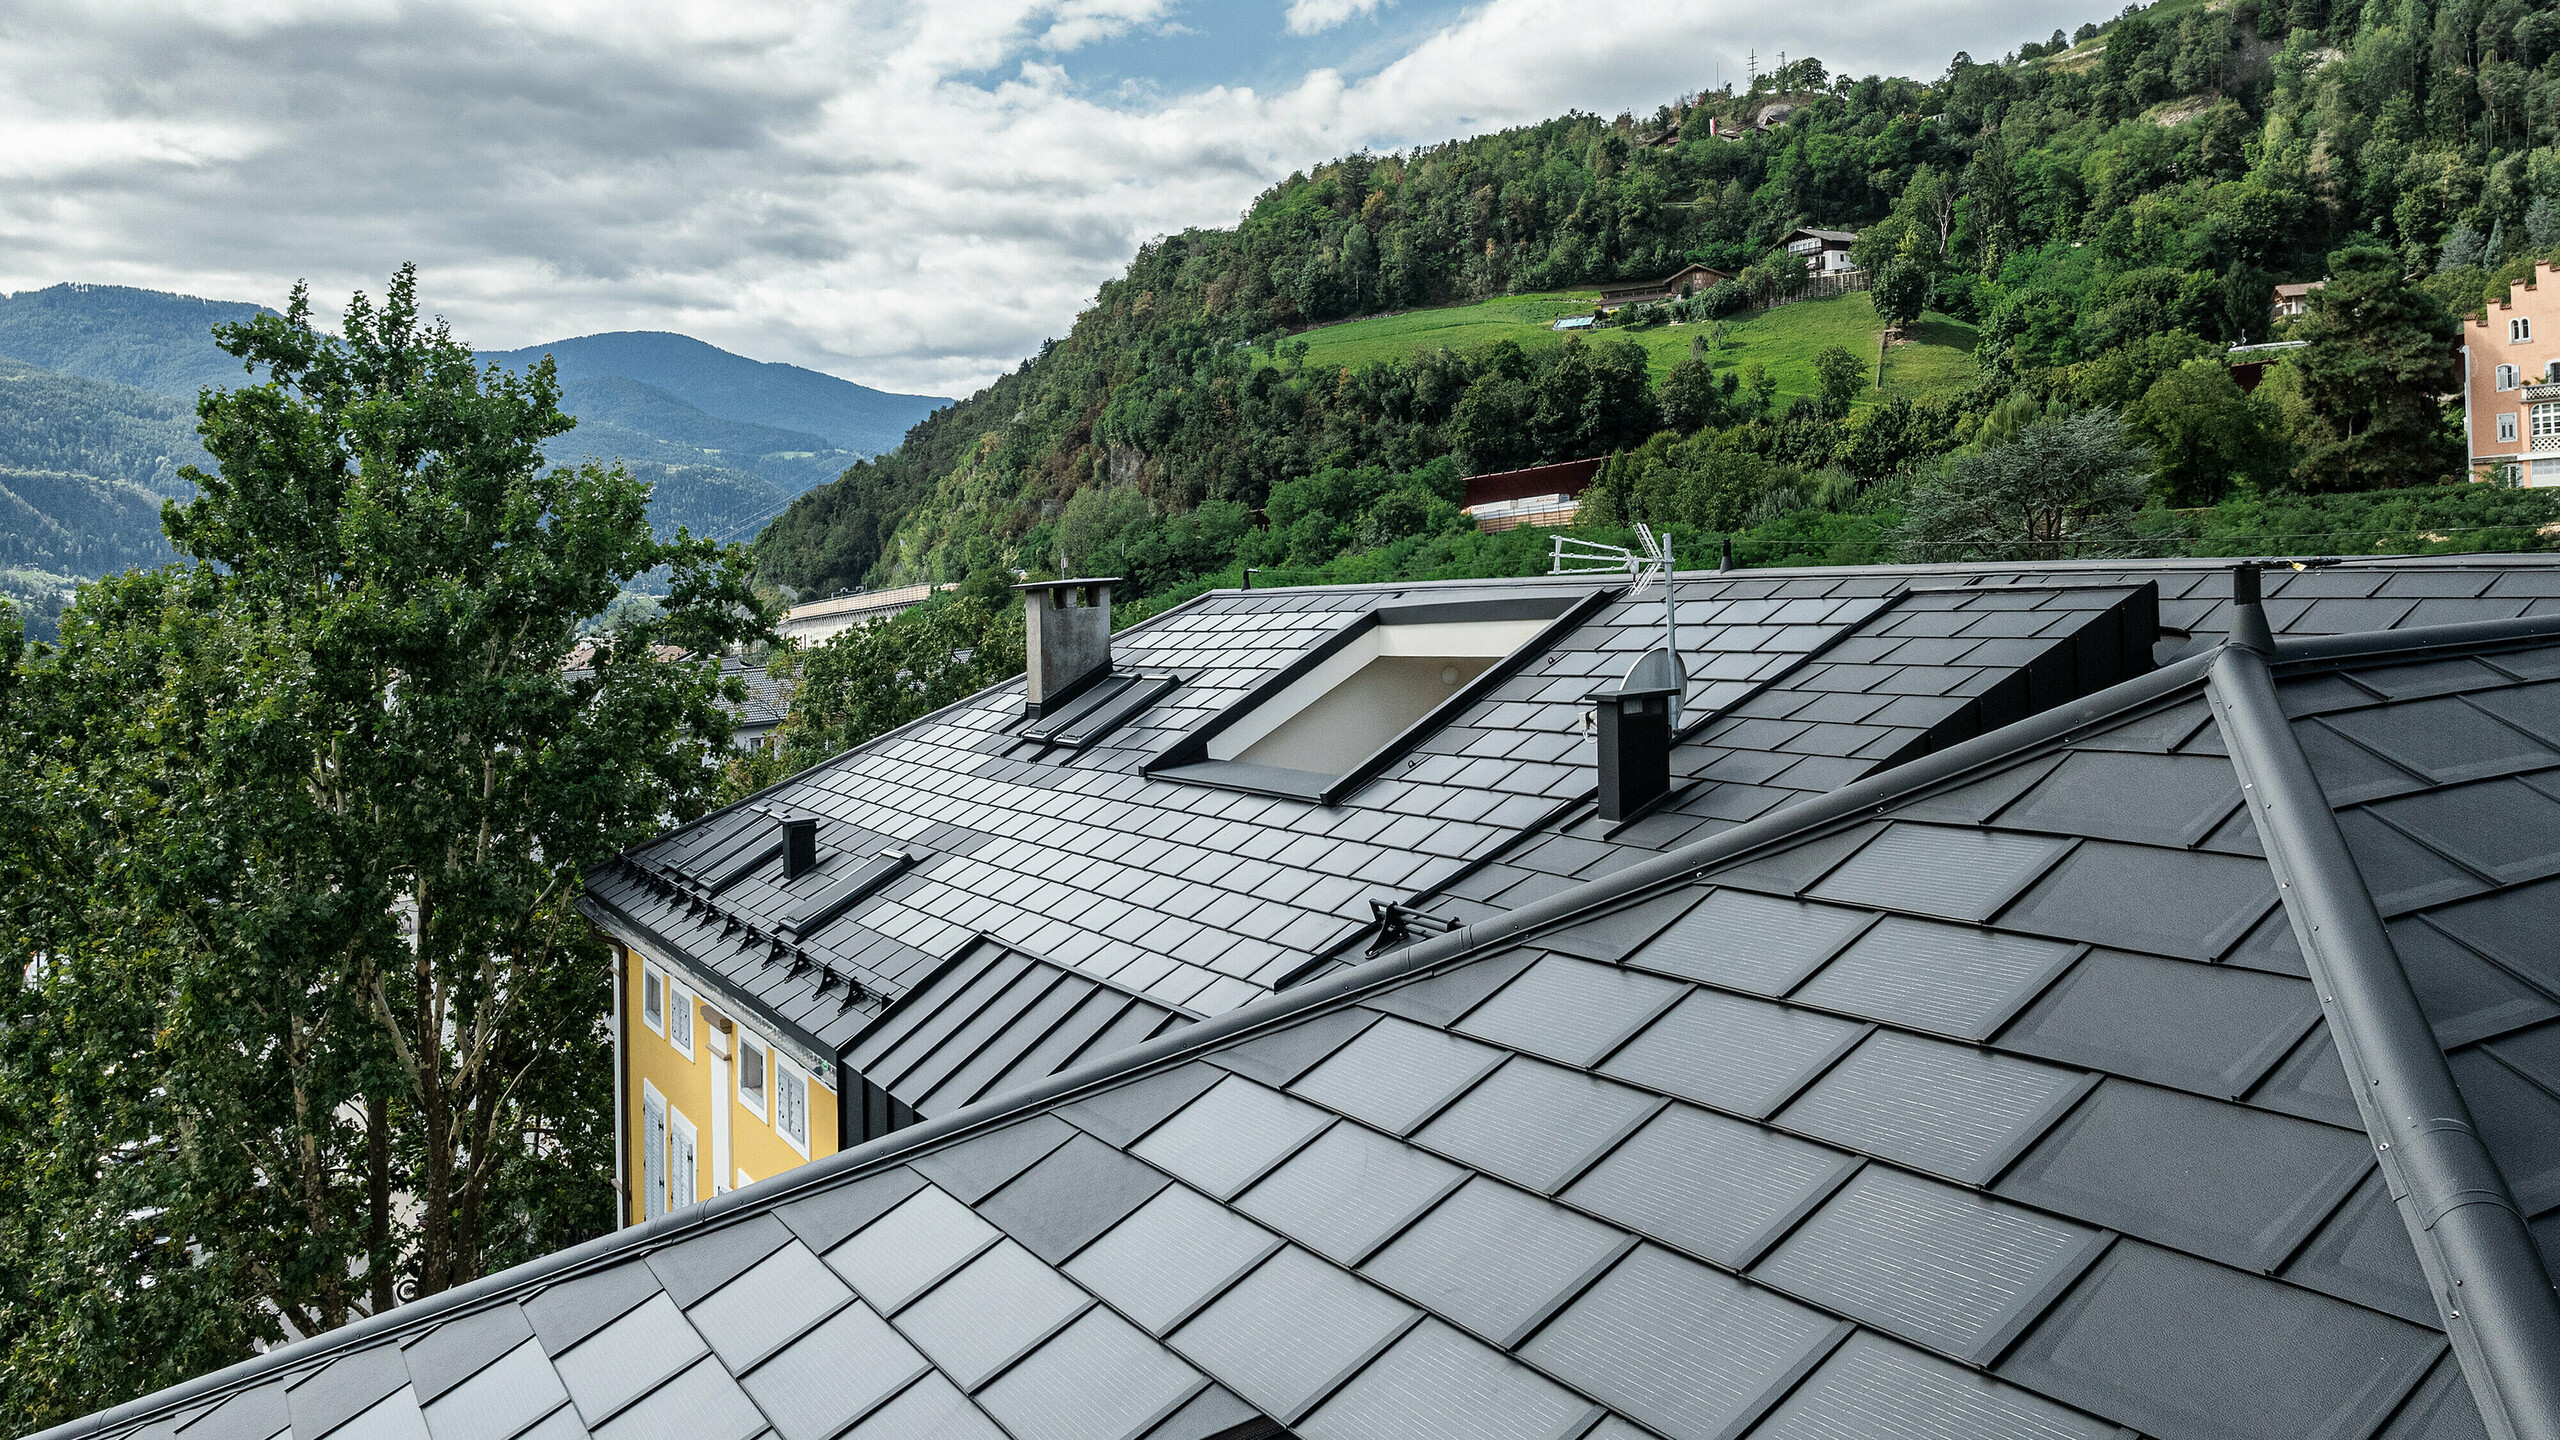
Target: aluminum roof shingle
<point>2005,1221</point>
<point>1204,899</point>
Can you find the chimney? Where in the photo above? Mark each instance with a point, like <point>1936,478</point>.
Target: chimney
<point>1067,632</point>
<point>1635,736</point>
<point>2249,618</point>
<point>799,847</point>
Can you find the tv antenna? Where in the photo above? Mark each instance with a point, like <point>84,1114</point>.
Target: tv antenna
<point>1651,557</point>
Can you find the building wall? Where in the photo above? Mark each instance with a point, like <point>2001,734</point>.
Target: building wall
<point>2522,331</point>
<point>653,1060</point>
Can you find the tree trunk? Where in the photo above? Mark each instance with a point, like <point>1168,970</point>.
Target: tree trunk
<point>380,1264</point>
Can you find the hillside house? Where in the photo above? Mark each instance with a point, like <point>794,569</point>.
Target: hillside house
<point>2026,1002</point>
<point>1539,495</point>
<point>1688,280</point>
<point>1825,252</point>
<point>2292,302</point>
<point>2511,383</point>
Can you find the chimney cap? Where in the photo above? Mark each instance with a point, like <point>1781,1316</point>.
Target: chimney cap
<point>1654,673</point>
<point>1070,584</point>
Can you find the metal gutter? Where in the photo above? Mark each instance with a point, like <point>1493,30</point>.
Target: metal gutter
<point>2472,1241</point>
<point>1846,806</point>
<point>621,1099</point>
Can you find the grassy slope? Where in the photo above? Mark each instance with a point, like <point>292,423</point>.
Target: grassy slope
<point>1786,339</point>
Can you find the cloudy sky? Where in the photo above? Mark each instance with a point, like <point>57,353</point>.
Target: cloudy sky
<point>908,195</point>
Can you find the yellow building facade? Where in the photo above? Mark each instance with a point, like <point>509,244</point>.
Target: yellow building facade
<point>710,1100</point>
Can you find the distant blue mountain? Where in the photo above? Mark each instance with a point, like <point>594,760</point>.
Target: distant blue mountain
<point>733,387</point>
<point>726,440</point>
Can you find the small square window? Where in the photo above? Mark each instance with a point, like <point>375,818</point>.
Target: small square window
<point>2519,331</point>
<point>653,1000</point>
<point>2507,429</point>
<point>791,1106</point>
<point>751,1071</point>
<point>2508,377</point>
<point>680,1019</point>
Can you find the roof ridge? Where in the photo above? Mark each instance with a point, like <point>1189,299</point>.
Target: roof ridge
<point>2472,1241</point>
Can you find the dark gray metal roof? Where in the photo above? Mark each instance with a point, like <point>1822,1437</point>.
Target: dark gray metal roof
<point>1065,849</point>
<point>1797,1148</point>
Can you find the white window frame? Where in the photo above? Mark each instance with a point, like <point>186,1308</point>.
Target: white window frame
<point>683,1193</point>
<point>761,1104</point>
<point>2510,376</point>
<point>653,1152</point>
<point>788,1080</point>
<point>651,977</point>
<point>680,1002</point>
<point>2545,420</point>
<point>2506,427</point>
<point>2520,330</point>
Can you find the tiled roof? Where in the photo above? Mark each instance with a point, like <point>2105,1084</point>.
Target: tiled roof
<point>2033,1089</point>
<point>1202,899</point>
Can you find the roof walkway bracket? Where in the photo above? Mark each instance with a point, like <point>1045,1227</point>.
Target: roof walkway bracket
<point>2479,1257</point>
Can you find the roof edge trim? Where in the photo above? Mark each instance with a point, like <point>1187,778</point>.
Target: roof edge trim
<point>634,935</point>
<point>2489,1281</point>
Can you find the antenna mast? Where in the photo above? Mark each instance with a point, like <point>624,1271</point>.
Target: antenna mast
<point>1569,556</point>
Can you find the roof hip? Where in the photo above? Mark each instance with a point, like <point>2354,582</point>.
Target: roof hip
<point>2486,1272</point>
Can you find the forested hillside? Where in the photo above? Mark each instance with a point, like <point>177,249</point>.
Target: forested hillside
<point>148,339</point>
<point>2107,207</point>
<point>84,465</point>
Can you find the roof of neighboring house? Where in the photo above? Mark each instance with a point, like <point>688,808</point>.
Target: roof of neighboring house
<point>2297,291</point>
<point>1200,899</point>
<point>768,700</point>
<point>2182,1061</point>
<point>1566,477</point>
<point>1828,237</point>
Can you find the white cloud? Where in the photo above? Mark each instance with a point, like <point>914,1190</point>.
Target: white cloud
<point>1312,17</point>
<point>910,195</point>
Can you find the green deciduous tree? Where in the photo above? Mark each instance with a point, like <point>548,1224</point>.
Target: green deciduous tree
<point>871,679</point>
<point>2374,377</point>
<point>1841,376</point>
<point>1901,292</point>
<point>296,895</point>
<point>2067,487</point>
<point>2206,434</point>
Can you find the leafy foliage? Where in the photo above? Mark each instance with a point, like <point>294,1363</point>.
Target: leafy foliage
<point>292,860</point>
<point>2380,359</point>
<point>2068,487</point>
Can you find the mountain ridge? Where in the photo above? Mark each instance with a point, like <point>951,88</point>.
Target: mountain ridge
<point>98,385</point>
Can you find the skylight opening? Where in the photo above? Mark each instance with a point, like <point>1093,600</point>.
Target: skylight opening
<point>1367,693</point>
<point>1335,718</point>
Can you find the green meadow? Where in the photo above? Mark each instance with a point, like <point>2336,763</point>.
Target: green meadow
<point>1937,356</point>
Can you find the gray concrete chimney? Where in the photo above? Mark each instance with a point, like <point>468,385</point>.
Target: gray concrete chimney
<point>1067,625</point>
